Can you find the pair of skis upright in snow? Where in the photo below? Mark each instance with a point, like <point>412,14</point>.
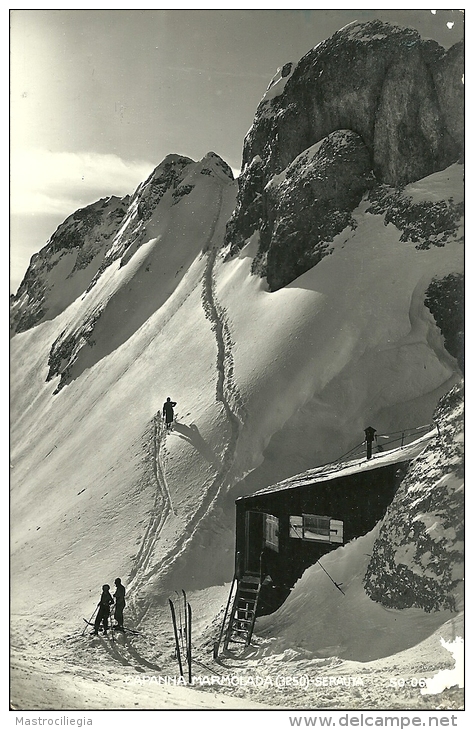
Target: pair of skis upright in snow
<point>181,616</point>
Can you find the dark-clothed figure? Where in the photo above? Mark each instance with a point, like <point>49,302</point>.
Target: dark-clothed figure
<point>369,439</point>
<point>168,413</point>
<point>119,597</point>
<point>103,613</point>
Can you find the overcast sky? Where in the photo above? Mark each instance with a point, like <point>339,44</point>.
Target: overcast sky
<point>100,97</point>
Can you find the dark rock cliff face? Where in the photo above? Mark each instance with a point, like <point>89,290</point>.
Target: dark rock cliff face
<point>310,204</point>
<point>401,95</point>
<point>448,75</point>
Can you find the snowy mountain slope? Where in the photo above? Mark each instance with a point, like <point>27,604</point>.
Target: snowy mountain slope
<point>109,399</point>
<point>151,254</point>
<point>343,366</point>
<point>270,362</point>
<point>267,384</point>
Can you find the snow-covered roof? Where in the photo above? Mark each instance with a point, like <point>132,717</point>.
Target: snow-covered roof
<point>341,469</point>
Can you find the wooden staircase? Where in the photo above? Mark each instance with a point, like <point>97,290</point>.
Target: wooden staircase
<point>244,611</point>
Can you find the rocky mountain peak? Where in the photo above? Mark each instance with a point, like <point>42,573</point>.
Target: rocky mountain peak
<point>167,175</point>
<point>402,96</point>
<point>213,164</point>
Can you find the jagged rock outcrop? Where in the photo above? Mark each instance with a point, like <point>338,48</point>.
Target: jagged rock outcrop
<point>165,186</point>
<point>383,83</point>
<point>427,222</point>
<point>418,558</point>
<point>164,180</point>
<point>445,300</point>
<point>75,253</point>
<point>311,202</point>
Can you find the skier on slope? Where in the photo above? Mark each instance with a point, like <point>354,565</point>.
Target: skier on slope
<point>119,596</point>
<point>168,413</point>
<point>103,613</point>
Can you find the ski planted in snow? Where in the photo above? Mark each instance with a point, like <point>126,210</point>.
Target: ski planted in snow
<point>185,612</point>
<point>182,634</point>
<point>176,636</point>
<point>188,640</point>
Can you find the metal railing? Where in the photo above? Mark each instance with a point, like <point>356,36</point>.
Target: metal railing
<point>394,440</point>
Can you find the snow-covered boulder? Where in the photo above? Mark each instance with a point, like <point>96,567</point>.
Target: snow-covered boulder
<point>418,557</point>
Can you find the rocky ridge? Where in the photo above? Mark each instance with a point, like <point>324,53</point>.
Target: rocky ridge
<point>152,216</point>
<point>319,189</point>
<point>92,238</point>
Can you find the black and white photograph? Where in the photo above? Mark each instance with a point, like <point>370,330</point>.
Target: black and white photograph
<point>237,353</point>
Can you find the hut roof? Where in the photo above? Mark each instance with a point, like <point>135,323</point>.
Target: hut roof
<point>335,470</point>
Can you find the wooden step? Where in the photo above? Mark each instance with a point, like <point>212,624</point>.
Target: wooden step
<point>242,619</point>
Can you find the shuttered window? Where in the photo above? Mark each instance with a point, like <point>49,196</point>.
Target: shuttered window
<point>318,528</point>
<point>271,532</point>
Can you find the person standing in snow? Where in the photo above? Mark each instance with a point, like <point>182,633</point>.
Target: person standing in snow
<point>119,597</point>
<point>103,613</point>
<point>168,413</point>
<point>369,439</point>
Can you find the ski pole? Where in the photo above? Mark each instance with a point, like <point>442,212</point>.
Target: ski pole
<point>90,620</point>
<point>338,586</point>
<point>112,630</point>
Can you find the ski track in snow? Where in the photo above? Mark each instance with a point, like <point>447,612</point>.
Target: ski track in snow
<point>228,395</point>
<point>162,505</point>
<point>226,389</point>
